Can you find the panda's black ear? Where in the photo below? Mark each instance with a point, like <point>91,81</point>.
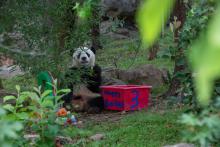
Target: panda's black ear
<point>93,50</point>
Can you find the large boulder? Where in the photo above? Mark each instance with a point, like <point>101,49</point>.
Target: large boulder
<point>120,8</point>
<point>111,81</point>
<point>142,75</point>
<point>106,29</point>
<point>10,71</point>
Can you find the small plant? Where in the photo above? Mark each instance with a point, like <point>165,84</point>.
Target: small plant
<point>39,115</point>
<point>9,130</point>
<point>202,128</point>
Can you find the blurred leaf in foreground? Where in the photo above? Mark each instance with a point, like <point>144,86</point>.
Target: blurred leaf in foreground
<point>151,17</point>
<point>204,56</point>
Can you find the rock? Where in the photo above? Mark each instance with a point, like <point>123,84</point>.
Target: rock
<point>31,137</point>
<point>116,33</point>
<point>142,75</point>
<point>122,10</point>
<point>123,112</point>
<point>60,141</point>
<point>111,81</point>
<point>116,36</point>
<point>64,139</point>
<point>105,27</point>
<point>110,72</point>
<point>79,124</point>
<point>82,90</point>
<point>119,8</point>
<point>10,71</point>
<point>97,137</point>
<point>180,145</point>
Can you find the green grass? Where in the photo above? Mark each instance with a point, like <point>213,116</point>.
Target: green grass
<point>125,55</point>
<point>149,129</point>
<point>26,81</point>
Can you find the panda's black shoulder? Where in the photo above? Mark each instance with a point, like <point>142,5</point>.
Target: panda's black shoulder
<point>97,69</point>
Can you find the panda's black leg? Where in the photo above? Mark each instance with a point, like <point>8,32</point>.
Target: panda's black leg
<point>67,98</point>
<point>96,105</point>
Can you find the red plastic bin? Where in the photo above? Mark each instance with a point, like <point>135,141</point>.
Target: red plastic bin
<point>125,97</point>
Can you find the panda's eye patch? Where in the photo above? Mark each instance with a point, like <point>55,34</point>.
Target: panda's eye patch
<point>88,54</point>
<point>78,56</point>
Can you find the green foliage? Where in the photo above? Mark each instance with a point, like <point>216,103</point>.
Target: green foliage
<point>84,12</point>
<point>16,110</point>
<point>203,128</point>
<point>204,56</point>
<point>9,130</point>
<point>197,18</point>
<point>150,18</point>
<point>40,113</point>
<point>26,81</point>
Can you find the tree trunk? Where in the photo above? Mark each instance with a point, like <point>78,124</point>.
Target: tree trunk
<point>95,27</point>
<point>68,21</point>
<point>180,13</point>
<point>153,51</point>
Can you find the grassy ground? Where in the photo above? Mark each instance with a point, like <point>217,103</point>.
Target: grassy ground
<point>148,129</point>
<point>26,82</point>
<point>126,54</point>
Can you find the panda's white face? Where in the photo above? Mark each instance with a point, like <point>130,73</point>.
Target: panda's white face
<point>83,56</point>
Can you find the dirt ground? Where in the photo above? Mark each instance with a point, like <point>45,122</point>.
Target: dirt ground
<point>114,116</point>
<point>105,116</point>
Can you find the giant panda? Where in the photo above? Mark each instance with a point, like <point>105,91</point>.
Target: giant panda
<point>85,97</point>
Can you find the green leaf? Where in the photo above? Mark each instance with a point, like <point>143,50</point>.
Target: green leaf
<point>23,115</point>
<point>18,88</point>
<point>37,90</point>
<point>7,98</point>
<point>2,111</point>
<point>76,6</point>
<point>47,103</point>
<point>151,16</point>
<point>63,91</point>
<point>34,97</point>
<point>17,126</point>
<point>33,108</point>
<point>189,119</point>
<point>214,30</point>
<point>22,98</point>
<point>84,12</point>
<point>204,57</point>
<point>12,129</point>
<point>46,93</point>
<point>8,107</point>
